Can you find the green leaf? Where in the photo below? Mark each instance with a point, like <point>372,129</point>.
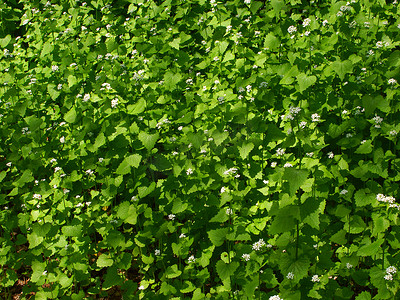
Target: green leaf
<point>187,287</point>
<point>70,116</point>
<point>5,41</point>
<point>137,108</point>
<point>299,267</point>
<point>34,240</point>
<point>282,223</point>
<point>271,41</point>
<point>71,80</point>
<point>296,178</point>
<point>104,260</point>
<point>171,79</point>
<point>38,268</point>
<point>277,5</point>
<point>364,296</point>
<point>143,191</point>
<point>128,162</point>
<point>245,149</point>
<point>342,67</point>
<point>339,237</point>
<point>26,177</point>
<point>370,249</point>
<point>172,271</point>
<point>33,122</point>
<point>112,278</point>
<point>225,271</point>
<point>218,236</point>
<point>47,49</point>
<point>175,43</point>
<point>305,81</point>
<point>74,230</point>
<point>53,91</point>
<point>148,140</point>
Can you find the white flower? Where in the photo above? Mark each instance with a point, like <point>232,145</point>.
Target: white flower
<point>86,97</point>
<point>290,275</point>
<point>324,22</point>
<point>141,287</point>
<point>349,266</point>
<point>330,154</point>
<point>265,181</point>
<point>391,270</point>
<point>246,257</point>
<point>59,87</point>
<point>89,172</point>
<point>393,132</point>
<point>62,140</point>
<point>273,164</point>
<point>392,81</point>
<point>182,235</point>
<point>280,152</point>
<point>288,165</point>
<point>229,211</point>
<point>275,297</point>
<point>248,88</point>
<point>315,117</point>
<point>247,1</point>
<point>388,277</point>
<point>343,192</point>
<point>189,171</point>
<point>101,159</point>
<point>310,154</point>
<point>216,58</point>
<point>114,102</point>
<point>315,278</point>
<point>37,196</point>
<point>306,22</point>
<point>258,245</point>
<point>191,259</point>
<point>223,190</point>
<point>54,68</point>
<point>171,216</point>
<point>53,160</point>
<point>9,164</point>
<point>377,119</point>
<point>79,205</point>
<point>157,252</point>
<point>379,44</point>
<point>56,169</point>
<point>291,29</point>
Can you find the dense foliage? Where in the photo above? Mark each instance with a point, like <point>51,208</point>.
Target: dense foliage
<point>199,149</point>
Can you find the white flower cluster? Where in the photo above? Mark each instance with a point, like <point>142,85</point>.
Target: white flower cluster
<point>290,276</point>
<point>387,199</point>
<point>390,271</point>
<point>315,278</point>
<point>159,124</point>
<point>37,196</point>
<point>230,171</point>
<point>114,102</point>
<point>280,152</point>
<point>258,245</point>
<point>275,297</point>
<point>191,259</point>
<point>392,81</point>
<point>189,171</point>
<point>291,29</point>
<point>315,117</point>
<point>246,256</point>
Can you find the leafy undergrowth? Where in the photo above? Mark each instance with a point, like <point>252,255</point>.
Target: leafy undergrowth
<point>199,149</point>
